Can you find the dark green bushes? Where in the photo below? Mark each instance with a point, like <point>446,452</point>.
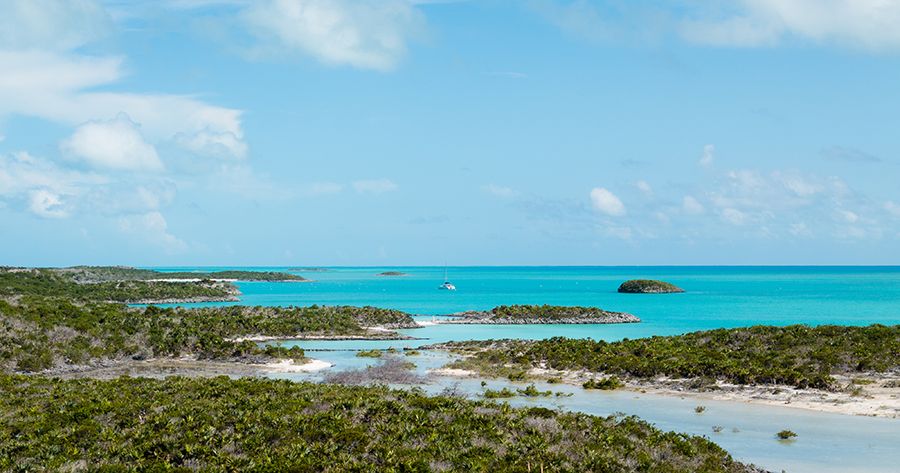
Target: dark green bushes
<point>648,286</point>
<point>180,424</point>
<point>786,434</point>
<point>51,283</point>
<point>606,384</point>
<point>796,355</point>
<point>38,333</point>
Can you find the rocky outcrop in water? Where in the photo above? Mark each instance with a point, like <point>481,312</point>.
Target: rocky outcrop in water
<point>648,286</point>
<point>542,314</point>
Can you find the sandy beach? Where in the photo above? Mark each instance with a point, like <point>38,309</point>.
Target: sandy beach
<point>877,399</point>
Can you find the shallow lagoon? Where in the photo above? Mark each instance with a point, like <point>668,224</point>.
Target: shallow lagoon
<point>716,297</point>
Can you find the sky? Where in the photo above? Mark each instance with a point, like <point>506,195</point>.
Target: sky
<point>481,132</point>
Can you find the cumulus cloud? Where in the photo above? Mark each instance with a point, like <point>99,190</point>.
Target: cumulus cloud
<point>800,229</point>
<point>863,24</point>
<point>368,34</point>
<point>733,216</point>
<point>644,187</point>
<point>44,78</point>
<point>709,155</point>
<point>152,228</point>
<point>691,206</point>
<point>218,144</point>
<point>848,216</point>
<point>324,188</point>
<point>606,202</point>
<point>500,191</point>
<point>374,186</point>
<point>869,24</point>
<point>892,208</point>
<point>52,24</point>
<point>42,185</point>
<point>45,203</point>
<point>112,144</point>
<point>54,86</point>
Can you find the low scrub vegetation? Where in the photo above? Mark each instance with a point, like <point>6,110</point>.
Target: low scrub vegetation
<point>605,384</point>
<point>795,355</point>
<point>42,333</point>
<point>648,286</point>
<point>219,424</point>
<point>53,283</point>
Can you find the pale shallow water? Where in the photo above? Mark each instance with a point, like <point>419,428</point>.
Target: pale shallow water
<point>716,297</point>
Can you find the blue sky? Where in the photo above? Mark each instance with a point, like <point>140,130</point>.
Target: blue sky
<point>392,132</point>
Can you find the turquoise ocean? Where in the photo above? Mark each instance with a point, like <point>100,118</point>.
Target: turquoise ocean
<point>715,297</point>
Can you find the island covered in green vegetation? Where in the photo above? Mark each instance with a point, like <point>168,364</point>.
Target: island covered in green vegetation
<point>542,314</point>
<point>40,334</point>
<point>130,285</point>
<point>53,283</point>
<point>796,355</point>
<point>648,286</point>
<point>93,274</point>
<point>849,370</point>
<point>392,273</point>
<point>220,424</point>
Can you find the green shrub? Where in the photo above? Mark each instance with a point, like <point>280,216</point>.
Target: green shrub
<point>606,384</point>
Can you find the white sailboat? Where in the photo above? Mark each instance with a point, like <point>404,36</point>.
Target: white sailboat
<point>447,286</point>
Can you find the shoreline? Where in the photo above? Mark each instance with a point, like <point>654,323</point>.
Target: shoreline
<point>874,400</point>
<point>540,315</point>
<point>189,300</point>
<point>369,336</point>
<point>188,367</point>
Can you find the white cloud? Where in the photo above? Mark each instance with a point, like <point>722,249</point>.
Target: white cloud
<point>799,186</point>
<point>864,24</point>
<point>500,191</point>
<point>54,86</point>
<point>734,216</point>
<point>153,228</point>
<point>892,208</point>
<point>709,155</point>
<point>52,24</point>
<point>112,144</point>
<point>221,144</point>
<point>47,204</point>
<point>644,187</point>
<point>21,173</point>
<point>869,24</point>
<point>691,206</point>
<point>800,229</point>
<point>374,186</point>
<point>242,180</point>
<point>607,202</point>
<point>848,216</point>
<point>324,188</point>
<point>622,233</point>
<point>368,34</point>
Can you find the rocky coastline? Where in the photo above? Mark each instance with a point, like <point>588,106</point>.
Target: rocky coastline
<point>648,286</point>
<point>538,315</point>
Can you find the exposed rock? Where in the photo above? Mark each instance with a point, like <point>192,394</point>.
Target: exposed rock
<point>648,286</point>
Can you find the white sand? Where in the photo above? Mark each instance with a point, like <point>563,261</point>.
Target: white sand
<point>378,329</point>
<point>190,280</point>
<point>452,372</point>
<point>288,366</point>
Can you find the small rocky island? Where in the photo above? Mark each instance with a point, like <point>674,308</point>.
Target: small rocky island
<point>392,274</point>
<point>648,286</point>
<point>542,314</point>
